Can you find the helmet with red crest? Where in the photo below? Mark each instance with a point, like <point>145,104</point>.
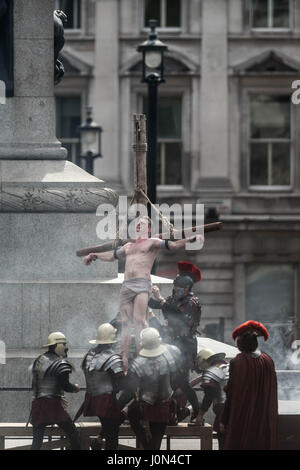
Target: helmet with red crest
<point>188,274</point>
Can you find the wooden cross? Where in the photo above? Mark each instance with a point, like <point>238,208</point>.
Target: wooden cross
<point>140,158</point>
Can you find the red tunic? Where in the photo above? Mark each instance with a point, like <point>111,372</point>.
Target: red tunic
<point>103,406</point>
<point>48,410</point>
<point>160,412</point>
<point>251,409</point>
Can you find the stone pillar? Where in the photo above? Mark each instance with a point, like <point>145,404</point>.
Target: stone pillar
<point>106,86</point>
<point>239,281</point>
<point>296,17</point>
<point>130,12</point>
<point>195,137</point>
<point>126,136</point>
<point>214,119</point>
<point>235,16</point>
<point>28,121</point>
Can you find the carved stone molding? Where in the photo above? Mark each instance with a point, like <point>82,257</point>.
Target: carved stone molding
<point>45,198</point>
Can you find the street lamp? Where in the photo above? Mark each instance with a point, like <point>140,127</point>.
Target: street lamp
<point>90,139</point>
<point>153,74</point>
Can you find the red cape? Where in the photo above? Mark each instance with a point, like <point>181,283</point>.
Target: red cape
<point>251,408</point>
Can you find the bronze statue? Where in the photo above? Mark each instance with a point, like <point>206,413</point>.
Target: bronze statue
<point>60,18</point>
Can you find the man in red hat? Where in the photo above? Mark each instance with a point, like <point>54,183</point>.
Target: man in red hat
<point>182,311</point>
<point>251,409</point>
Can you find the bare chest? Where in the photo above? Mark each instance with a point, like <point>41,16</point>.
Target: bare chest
<point>140,249</point>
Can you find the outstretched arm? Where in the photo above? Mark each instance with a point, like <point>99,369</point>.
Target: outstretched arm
<point>106,256</point>
<point>180,244</point>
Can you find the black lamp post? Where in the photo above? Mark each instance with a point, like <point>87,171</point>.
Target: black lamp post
<point>90,140</point>
<point>153,74</point>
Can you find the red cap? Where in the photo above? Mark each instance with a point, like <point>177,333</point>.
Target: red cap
<point>251,326</point>
<point>189,269</point>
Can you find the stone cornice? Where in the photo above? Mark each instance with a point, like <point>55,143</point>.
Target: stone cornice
<point>52,198</point>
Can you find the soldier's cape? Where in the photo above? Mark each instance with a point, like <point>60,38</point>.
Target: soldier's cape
<point>251,408</point>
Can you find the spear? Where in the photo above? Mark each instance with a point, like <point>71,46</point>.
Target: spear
<point>109,246</point>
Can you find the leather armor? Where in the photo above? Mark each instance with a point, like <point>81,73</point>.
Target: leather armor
<point>46,371</point>
<point>96,366</point>
<point>154,374</point>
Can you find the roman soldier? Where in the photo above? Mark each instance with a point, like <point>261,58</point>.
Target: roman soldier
<point>50,373</point>
<point>103,370</point>
<point>250,413</point>
<point>215,373</point>
<point>149,380</point>
<point>182,311</point>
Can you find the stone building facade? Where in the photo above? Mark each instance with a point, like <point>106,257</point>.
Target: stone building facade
<point>227,137</point>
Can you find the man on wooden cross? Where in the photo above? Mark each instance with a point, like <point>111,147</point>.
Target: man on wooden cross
<point>136,288</point>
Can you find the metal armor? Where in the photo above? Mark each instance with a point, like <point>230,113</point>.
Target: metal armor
<point>220,375</point>
<point>154,374</point>
<point>183,317</point>
<point>46,371</point>
<point>96,365</point>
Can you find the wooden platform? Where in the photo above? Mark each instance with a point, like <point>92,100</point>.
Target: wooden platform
<point>56,439</point>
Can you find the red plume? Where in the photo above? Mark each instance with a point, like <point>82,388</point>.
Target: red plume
<point>250,326</point>
<point>189,268</point>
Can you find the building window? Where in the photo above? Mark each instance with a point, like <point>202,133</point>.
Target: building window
<point>169,138</point>
<point>270,141</point>
<point>166,12</point>
<point>270,299</point>
<point>270,14</point>
<point>68,118</point>
<point>72,8</point>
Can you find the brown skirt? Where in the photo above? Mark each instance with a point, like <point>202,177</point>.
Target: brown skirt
<point>160,412</point>
<point>104,406</point>
<point>48,410</point>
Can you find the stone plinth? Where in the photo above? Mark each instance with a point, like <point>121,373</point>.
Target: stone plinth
<point>214,165</point>
<point>31,310</point>
<point>28,119</point>
<point>47,212</point>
